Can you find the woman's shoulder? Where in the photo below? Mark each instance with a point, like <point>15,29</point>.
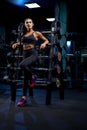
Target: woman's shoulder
<point>37,32</point>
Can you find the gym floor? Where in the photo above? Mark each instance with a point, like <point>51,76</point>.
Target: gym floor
<point>67,114</point>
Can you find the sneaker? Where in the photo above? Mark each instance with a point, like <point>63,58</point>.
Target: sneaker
<point>22,102</point>
<point>33,82</point>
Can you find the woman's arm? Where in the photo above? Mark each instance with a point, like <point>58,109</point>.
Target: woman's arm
<point>16,44</point>
<point>45,40</point>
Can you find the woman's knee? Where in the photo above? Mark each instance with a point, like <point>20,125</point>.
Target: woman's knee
<point>22,65</point>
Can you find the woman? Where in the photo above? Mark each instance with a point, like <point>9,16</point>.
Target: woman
<point>28,41</point>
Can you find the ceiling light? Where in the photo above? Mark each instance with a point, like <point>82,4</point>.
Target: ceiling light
<point>32,5</point>
<point>50,19</point>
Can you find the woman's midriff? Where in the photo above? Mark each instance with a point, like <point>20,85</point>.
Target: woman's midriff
<point>28,46</point>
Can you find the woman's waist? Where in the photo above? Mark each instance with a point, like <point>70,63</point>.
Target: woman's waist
<point>28,46</point>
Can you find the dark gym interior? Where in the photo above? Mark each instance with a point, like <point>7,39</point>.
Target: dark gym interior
<point>54,103</point>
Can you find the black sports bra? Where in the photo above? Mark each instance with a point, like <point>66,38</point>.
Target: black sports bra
<point>29,39</point>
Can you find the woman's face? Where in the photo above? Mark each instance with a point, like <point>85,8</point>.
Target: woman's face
<point>28,24</point>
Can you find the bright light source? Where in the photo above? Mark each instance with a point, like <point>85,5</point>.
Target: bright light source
<point>50,19</point>
<point>68,47</point>
<point>68,43</point>
<point>32,5</point>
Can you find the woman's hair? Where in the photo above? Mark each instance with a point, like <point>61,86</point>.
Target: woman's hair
<point>27,19</point>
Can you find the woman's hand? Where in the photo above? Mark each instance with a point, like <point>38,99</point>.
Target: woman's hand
<point>42,46</point>
<point>14,45</point>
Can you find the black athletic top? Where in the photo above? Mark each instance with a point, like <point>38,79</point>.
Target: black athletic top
<point>29,39</point>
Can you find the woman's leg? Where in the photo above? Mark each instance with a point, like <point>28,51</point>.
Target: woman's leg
<point>26,66</point>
